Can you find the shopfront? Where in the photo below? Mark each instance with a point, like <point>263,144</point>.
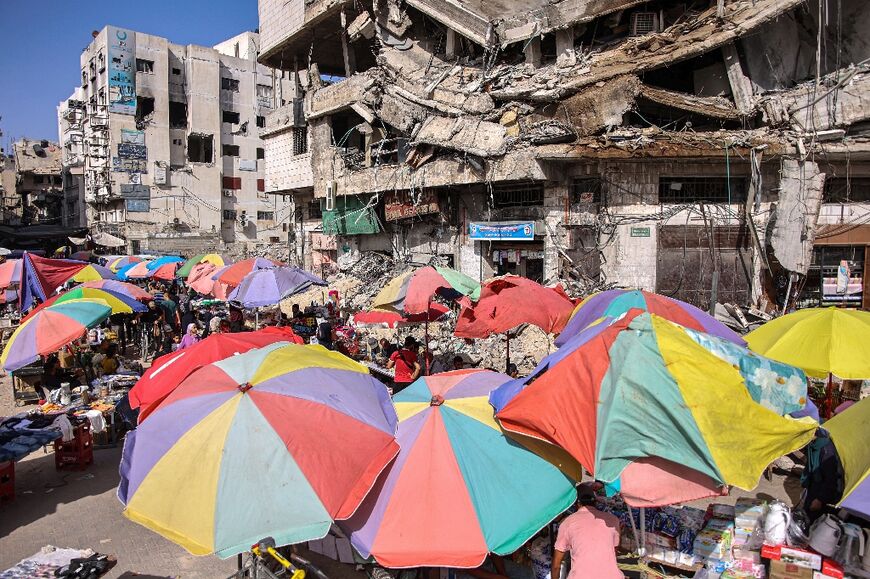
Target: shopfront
<point>510,247</point>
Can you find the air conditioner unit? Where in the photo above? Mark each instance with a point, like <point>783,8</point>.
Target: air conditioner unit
<point>331,187</point>
<point>228,193</point>
<point>243,219</point>
<point>644,23</point>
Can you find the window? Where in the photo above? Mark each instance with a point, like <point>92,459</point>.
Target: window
<point>101,96</point>
<point>261,153</point>
<point>708,189</point>
<point>57,180</point>
<point>84,77</point>
<point>37,178</point>
<point>200,148</point>
<point>518,195</point>
<point>586,191</point>
<point>230,150</point>
<point>93,68</point>
<point>146,66</point>
<point>230,84</point>
<point>265,91</point>
<point>265,215</point>
<point>230,117</point>
<point>234,183</point>
<point>300,140</point>
<point>144,107</point>
<point>101,61</point>
<point>177,115</point>
<point>261,121</point>
<point>176,71</point>
<point>847,190</point>
<point>274,239</point>
<point>261,185</point>
<point>229,214</point>
<point>314,210</point>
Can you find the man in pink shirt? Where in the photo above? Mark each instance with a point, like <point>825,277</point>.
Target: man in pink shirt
<point>592,537</point>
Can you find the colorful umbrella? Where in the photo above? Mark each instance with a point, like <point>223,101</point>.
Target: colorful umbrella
<point>412,291</point>
<point>122,261</point>
<point>200,277</point>
<point>167,372</point>
<point>8,296</point>
<point>265,287</point>
<point>10,272</point>
<point>93,272</point>
<point>821,341</point>
<point>161,261</point>
<point>509,301</point>
<point>233,275</point>
<point>215,259</point>
<point>642,387</point>
<point>614,303</point>
<point>120,303</point>
<point>166,271</point>
<point>120,287</point>
<point>51,329</point>
<point>848,432</point>
<point>277,442</point>
<point>138,270</point>
<point>392,319</point>
<point>459,488</point>
<point>40,277</point>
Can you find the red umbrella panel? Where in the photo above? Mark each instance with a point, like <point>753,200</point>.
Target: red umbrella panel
<point>393,319</point>
<point>510,301</point>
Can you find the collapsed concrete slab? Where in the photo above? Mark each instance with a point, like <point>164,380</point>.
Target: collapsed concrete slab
<point>797,212</point>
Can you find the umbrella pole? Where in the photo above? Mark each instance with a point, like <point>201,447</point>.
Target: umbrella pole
<point>426,340</point>
<point>634,531</point>
<point>642,549</point>
<point>507,353</point>
<point>829,396</point>
<point>256,318</point>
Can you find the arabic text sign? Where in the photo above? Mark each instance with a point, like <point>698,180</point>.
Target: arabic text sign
<point>502,231</point>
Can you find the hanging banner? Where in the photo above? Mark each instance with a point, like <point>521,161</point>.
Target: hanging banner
<point>122,70</point>
<point>132,137</point>
<point>399,205</point>
<point>502,231</point>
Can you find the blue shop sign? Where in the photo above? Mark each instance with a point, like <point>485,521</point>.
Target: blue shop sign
<point>502,231</point>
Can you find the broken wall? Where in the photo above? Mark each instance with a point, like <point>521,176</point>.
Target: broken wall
<point>797,212</point>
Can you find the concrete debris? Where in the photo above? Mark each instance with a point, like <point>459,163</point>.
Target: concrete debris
<point>361,27</point>
<point>713,106</point>
<point>467,134</point>
<point>601,106</point>
<point>794,223</point>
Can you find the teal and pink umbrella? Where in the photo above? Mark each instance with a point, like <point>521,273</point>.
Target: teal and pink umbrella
<point>279,441</point>
<point>459,488</point>
<point>413,291</point>
<point>617,302</point>
<point>50,329</point>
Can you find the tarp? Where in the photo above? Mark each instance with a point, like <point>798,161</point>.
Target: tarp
<point>41,276</point>
<point>108,240</point>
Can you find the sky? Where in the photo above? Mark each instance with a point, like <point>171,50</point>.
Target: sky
<point>43,39</point>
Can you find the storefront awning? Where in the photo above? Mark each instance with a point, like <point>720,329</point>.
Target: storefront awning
<point>843,234</point>
<point>351,216</point>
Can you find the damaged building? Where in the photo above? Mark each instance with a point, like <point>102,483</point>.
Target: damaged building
<point>161,143</point>
<point>38,183</point>
<point>710,150</point>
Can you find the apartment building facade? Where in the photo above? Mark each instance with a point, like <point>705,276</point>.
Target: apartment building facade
<point>601,143</point>
<point>162,142</point>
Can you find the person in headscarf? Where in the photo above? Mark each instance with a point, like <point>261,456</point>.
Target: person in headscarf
<point>190,338</point>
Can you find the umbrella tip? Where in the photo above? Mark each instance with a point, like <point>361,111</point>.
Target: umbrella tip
<point>245,387</point>
<point>436,400</point>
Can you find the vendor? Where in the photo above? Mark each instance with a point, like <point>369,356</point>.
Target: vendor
<point>110,362</point>
<point>592,537</point>
<point>53,375</point>
<point>406,364</point>
<point>823,476</point>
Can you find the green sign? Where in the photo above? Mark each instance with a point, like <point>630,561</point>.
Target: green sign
<point>640,231</point>
<point>351,216</point>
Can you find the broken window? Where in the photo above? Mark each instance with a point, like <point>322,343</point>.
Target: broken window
<point>518,194</point>
<point>265,91</point>
<point>84,78</point>
<point>37,178</point>
<point>146,66</point>
<point>265,215</point>
<point>314,210</point>
<point>229,214</point>
<point>586,191</point>
<point>176,71</point>
<point>101,61</point>
<point>261,153</point>
<point>261,185</point>
<point>707,189</point>
<point>847,190</point>
<point>200,148</point>
<point>230,150</point>
<point>300,140</point>
<point>144,108</point>
<point>230,117</point>
<point>261,121</point>
<point>229,84</point>
<point>177,115</point>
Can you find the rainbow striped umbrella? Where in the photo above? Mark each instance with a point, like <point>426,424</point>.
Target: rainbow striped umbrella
<point>279,441</point>
<point>117,263</point>
<point>616,302</point>
<point>644,388</point>
<point>93,272</point>
<point>120,287</point>
<point>459,488</point>
<point>10,272</point>
<point>412,291</point>
<point>216,259</point>
<point>50,329</point>
<point>120,303</point>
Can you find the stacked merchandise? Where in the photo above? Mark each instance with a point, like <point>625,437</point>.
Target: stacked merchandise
<point>712,545</point>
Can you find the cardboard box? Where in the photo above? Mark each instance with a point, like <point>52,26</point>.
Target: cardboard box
<point>783,570</point>
<point>832,569</point>
<point>794,555</point>
<point>657,539</point>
